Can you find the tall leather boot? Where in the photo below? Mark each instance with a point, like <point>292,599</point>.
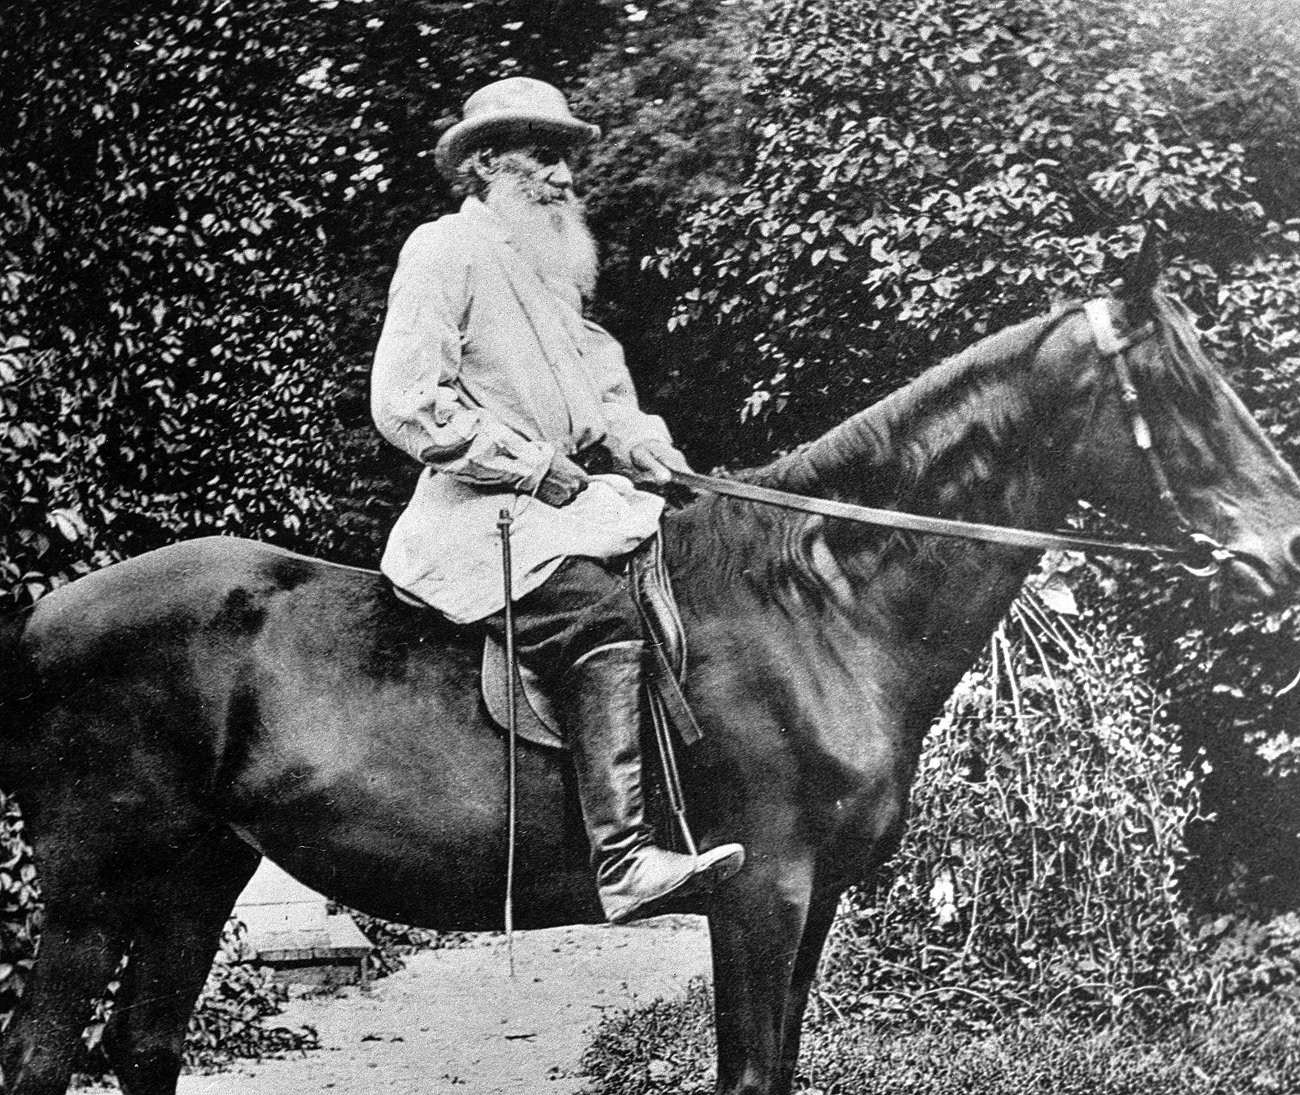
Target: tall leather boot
<point>635,878</point>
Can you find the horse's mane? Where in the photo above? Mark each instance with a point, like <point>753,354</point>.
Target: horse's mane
<point>880,458</point>
<point>965,390</point>
<point>875,456</point>
<point>1184,366</point>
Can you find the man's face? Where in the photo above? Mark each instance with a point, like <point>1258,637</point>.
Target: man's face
<point>540,171</point>
<point>531,189</point>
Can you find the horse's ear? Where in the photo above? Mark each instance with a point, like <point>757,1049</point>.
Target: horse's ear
<point>1141,275</point>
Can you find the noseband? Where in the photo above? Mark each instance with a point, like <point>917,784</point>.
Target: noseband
<point>1204,555</point>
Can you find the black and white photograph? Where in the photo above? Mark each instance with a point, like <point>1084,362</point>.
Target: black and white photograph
<point>670,547</point>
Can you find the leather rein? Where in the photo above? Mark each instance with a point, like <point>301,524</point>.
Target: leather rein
<point>1201,555</point>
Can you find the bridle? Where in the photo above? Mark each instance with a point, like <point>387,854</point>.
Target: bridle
<point>1204,555</point>
<point>1200,554</point>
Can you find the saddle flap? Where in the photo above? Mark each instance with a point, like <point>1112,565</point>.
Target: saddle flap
<point>535,718</point>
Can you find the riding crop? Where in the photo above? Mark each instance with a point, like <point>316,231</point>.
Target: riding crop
<point>512,737</point>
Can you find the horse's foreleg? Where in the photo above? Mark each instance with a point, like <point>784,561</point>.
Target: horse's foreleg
<point>756,924</point>
<point>79,950</point>
<point>174,935</point>
<point>821,913</point>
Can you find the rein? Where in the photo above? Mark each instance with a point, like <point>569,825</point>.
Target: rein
<point>1202,555</point>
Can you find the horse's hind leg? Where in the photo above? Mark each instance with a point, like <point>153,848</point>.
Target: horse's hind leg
<point>81,944</point>
<point>174,935</point>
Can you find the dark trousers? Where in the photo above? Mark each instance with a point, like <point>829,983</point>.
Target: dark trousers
<point>583,605</point>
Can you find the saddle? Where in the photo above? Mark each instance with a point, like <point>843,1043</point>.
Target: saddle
<point>661,623</point>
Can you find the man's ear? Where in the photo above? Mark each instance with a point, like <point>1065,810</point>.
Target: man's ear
<point>1141,277</point>
<point>480,165</point>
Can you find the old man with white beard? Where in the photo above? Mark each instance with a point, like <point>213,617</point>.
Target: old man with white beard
<point>488,374</point>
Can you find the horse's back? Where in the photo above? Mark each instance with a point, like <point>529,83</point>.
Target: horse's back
<point>164,645</point>
<point>217,588</point>
<point>191,582</point>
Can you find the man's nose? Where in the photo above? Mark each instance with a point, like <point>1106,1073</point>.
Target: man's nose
<point>559,175</point>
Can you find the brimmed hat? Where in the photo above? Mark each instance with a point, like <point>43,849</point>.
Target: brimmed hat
<point>515,107</point>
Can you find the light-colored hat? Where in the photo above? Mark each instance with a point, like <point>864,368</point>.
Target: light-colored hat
<point>516,107</point>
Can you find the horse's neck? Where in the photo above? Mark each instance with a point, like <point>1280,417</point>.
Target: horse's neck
<point>949,438</point>
<point>966,442</point>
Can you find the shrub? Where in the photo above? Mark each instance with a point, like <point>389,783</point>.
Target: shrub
<point>166,363</point>
<point>1246,1048</point>
<point>228,1019</point>
<point>1242,959</point>
<point>1041,863</point>
<point>20,912</point>
<point>393,941</point>
<point>666,1046</point>
<point>1240,1050</point>
<point>925,173</point>
<point>1033,911</point>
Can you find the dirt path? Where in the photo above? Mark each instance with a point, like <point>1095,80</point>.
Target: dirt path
<point>454,1022</point>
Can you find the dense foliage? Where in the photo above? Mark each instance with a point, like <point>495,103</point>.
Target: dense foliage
<point>1042,856</point>
<point>670,94</point>
<point>387,77</point>
<point>230,1018</point>
<point>20,912</point>
<point>1249,1048</point>
<point>167,366</point>
<point>201,203</point>
<point>929,172</point>
<point>200,206</point>
<point>1037,890</point>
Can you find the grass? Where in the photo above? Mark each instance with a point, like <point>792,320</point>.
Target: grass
<point>1243,1048</point>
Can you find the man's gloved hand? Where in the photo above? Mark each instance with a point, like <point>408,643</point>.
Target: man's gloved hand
<point>657,462</point>
<point>563,482</point>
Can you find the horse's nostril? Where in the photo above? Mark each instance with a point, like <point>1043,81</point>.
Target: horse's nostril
<point>1294,553</point>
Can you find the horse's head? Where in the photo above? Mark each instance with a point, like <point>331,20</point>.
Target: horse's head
<point>1170,447</point>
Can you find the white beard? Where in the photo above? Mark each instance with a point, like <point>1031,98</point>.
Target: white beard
<point>552,236</point>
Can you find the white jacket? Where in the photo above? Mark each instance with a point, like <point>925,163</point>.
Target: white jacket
<point>483,372</point>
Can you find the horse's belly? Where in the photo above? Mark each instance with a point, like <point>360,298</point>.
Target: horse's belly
<point>428,843</point>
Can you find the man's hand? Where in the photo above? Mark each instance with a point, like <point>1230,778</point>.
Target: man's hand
<point>563,482</point>
<point>657,461</point>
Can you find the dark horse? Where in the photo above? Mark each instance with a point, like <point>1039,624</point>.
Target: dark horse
<point>171,718</point>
